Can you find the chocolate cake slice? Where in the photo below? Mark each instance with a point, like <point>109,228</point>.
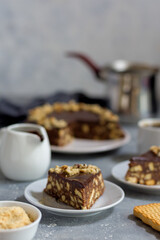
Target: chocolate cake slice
<point>63,121</point>
<point>145,169</point>
<point>79,185</point>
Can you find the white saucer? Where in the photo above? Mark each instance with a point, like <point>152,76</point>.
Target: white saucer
<point>119,171</point>
<point>79,146</point>
<point>112,195</point>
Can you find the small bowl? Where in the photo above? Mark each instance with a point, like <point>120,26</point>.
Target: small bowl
<point>26,232</point>
<point>148,134</point>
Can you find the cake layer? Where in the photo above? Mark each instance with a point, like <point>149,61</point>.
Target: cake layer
<point>78,186</point>
<point>60,137</point>
<point>145,169</point>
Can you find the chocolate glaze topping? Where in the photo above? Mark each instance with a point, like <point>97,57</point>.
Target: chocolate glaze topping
<point>70,116</point>
<point>81,180</point>
<point>148,156</point>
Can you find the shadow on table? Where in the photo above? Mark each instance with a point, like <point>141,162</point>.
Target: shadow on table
<point>52,219</point>
<point>148,229</point>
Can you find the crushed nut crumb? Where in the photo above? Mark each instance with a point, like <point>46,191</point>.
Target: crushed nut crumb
<point>75,169</point>
<point>155,150</point>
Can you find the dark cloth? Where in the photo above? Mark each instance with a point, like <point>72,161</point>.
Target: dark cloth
<point>11,112</point>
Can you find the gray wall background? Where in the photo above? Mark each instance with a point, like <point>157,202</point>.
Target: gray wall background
<point>36,34</point>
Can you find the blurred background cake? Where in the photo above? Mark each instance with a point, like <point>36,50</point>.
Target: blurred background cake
<point>35,43</point>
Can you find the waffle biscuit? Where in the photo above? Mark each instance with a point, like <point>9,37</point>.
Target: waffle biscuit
<point>149,214</point>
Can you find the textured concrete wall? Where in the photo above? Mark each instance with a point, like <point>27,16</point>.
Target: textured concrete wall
<point>34,36</point>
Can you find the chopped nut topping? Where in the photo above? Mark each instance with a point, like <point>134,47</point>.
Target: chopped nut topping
<point>75,169</point>
<point>156,150</point>
<point>39,114</point>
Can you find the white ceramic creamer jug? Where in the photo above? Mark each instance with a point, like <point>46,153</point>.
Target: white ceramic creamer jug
<point>24,152</point>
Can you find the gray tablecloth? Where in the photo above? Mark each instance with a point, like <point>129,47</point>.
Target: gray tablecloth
<point>117,223</point>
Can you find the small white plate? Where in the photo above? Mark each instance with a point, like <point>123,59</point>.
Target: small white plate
<point>112,195</point>
<point>79,146</point>
<point>119,171</point>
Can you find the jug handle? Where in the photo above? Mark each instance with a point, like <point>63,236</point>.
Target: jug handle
<point>2,130</point>
<point>93,66</point>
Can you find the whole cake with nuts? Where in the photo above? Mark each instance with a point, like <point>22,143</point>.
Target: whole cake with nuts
<point>79,185</point>
<point>145,169</point>
<point>63,121</point>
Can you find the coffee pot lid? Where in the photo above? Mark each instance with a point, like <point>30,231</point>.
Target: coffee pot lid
<point>123,66</point>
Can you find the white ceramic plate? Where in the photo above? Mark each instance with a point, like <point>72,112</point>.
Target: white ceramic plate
<point>79,146</point>
<point>112,195</point>
<point>119,172</point>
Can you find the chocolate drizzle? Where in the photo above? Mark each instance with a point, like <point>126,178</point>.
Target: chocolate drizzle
<point>38,134</point>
